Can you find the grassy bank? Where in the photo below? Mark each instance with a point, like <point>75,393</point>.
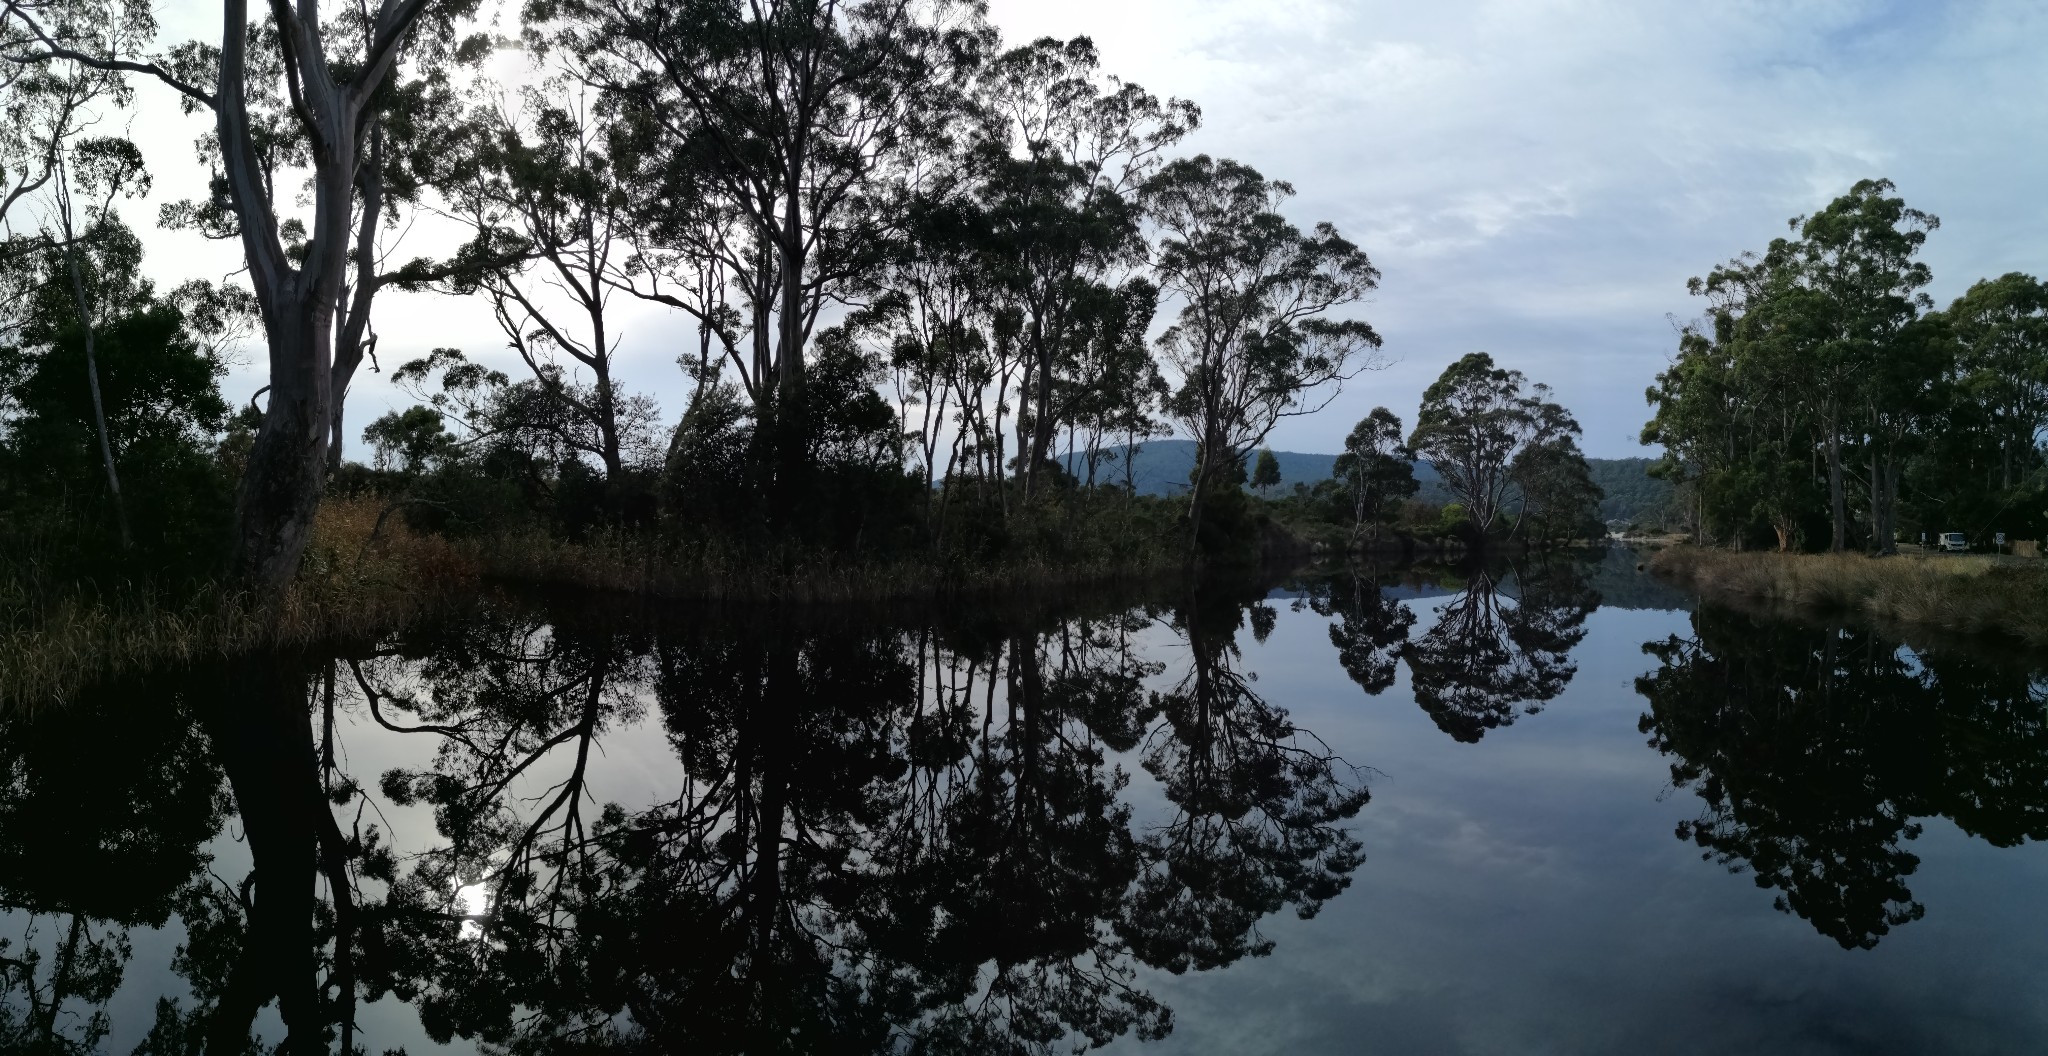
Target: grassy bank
<point>366,572</point>
<point>351,585</point>
<point>1955,594</point>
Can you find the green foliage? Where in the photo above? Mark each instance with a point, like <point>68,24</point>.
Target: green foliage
<point>1376,469</point>
<point>1816,406</point>
<point>1493,445</point>
<point>1266,473</point>
<point>1471,424</point>
<point>158,376</point>
<point>1558,497</point>
<point>1255,341</point>
<point>1630,493</point>
<point>409,440</point>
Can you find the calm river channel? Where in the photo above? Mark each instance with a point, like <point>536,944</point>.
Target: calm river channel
<point>1551,806</point>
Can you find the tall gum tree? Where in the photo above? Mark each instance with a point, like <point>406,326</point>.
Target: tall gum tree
<point>301,91</point>
<point>1858,261</point>
<point>1474,424</point>
<point>1252,344</point>
<point>535,183</point>
<point>1064,152</point>
<point>1812,353</point>
<point>2000,330</point>
<point>1376,469</point>
<point>48,107</point>
<point>785,111</point>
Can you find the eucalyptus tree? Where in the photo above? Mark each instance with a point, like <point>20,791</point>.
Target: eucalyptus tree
<point>2000,333</point>
<point>1265,471</point>
<point>527,423</point>
<point>1553,482</point>
<point>1493,445</point>
<point>1473,423</point>
<point>302,93</point>
<point>536,182</point>
<point>50,106</point>
<point>1813,353</point>
<point>153,410</point>
<point>1253,343</point>
<point>1732,411</point>
<point>48,102</point>
<point>1067,151</point>
<point>786,112</point>
<point>1376,468</point>
<point>1856,257</point>
<point>1123,384</point>
<point>926,312</point>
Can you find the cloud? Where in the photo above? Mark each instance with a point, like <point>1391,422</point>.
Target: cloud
<point>1536,179</point>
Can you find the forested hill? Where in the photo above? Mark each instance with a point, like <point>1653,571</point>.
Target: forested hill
<point>1632,493</point>
<point>1163,466</point>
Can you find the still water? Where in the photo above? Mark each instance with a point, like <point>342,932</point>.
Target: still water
<point>1545,807</point>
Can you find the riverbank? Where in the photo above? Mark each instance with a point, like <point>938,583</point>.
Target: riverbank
<point>366,573</point>
<point>1976,595</point>
<point>349,586</point>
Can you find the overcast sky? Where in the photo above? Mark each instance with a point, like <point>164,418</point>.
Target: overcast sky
<point>1534,179</point>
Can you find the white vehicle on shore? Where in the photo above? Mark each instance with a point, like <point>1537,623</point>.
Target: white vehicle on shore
<point>1952,543</point>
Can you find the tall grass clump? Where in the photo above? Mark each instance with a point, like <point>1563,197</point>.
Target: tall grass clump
<point>370,569</point>
<point>365,573</point>
<point>1957,594</point>
<point>714,572</point>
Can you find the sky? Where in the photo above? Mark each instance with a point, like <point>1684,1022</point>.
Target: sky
<point>1535,179</point>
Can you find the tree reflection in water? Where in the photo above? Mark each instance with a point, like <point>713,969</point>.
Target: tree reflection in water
<point>105,807</point>
<point>1813,748</point>
<point>1500,647</point>
<point>1258,805</point>
<point>1371,629</point>
<point>883,838</point>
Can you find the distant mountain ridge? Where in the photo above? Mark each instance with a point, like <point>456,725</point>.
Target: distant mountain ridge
<point>1162,468</point>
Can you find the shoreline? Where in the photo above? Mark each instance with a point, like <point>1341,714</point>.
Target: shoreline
<point>368,573</point>
<point>1979,596</point>
<point>360,579</point>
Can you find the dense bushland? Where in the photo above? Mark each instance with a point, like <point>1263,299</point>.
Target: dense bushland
<point>923,276</point>
<point>1822,403</point>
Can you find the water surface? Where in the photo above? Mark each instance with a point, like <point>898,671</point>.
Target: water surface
<point>1541,807</point>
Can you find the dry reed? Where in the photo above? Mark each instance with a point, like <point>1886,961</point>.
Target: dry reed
<point>1959,594</point>
<point>350,585</point>
<point>367,573</point>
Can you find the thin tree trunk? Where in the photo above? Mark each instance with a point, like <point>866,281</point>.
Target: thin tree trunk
<point>1838,504</point>
<point>92,368</point>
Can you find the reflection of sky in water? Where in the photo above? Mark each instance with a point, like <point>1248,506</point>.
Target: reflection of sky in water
<point>1520,894</point>
<point>1526,894</point>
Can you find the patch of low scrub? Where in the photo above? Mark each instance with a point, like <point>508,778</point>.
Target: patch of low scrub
<point>364,573</point>
<point>1965,595</point>
<point>367,571</point>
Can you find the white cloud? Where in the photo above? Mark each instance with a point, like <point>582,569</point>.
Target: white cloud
<point>1534,179</point>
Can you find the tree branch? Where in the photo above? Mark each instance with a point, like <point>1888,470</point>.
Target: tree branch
<point>54,50</point>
